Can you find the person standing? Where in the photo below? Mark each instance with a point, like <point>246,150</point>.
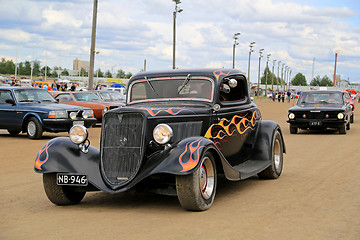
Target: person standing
<point>288,95</point>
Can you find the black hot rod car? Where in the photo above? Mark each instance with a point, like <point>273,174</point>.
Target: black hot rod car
<point>179,130</point>
<point>320,110</point>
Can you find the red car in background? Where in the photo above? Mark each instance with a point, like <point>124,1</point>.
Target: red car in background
<point>86,99</point>
<point>350,100</point>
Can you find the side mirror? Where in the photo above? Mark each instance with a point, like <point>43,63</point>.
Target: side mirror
<point>10,101</point>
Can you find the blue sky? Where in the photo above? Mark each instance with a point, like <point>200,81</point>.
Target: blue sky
<point>129,31</point>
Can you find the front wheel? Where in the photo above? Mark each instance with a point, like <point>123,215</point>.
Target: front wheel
<point>342,129</point>
<point>275,169</point>
<point>34,128</point>
<point>196,191</point>
<point>60,195</point>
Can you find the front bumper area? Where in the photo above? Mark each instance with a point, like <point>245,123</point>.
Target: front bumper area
<point>57,125</point>
<point>316,123</point>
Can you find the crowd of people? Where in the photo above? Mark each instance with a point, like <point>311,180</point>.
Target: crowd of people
<point>55,86</point>
<point>281,95</point>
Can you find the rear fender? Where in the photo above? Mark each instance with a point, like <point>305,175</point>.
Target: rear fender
<point>263,145</point>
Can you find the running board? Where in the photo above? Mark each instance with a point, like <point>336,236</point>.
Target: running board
<point>251,167</point>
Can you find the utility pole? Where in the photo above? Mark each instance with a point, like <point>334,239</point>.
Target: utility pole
<point>312,73</point>
<point>144,65</point>
<point>235,43</point>
<point>282,74</point>
<point>177,10</point>
<point>92,47</point>
<point>272,78</point>
<point>251,50</point>
<point>267,72</point>
<point>260,56</point>
<point>334,78</point>
<point>277,80</point>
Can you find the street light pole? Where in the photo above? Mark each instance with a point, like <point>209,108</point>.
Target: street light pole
<point>235,43</point>
<point>267,72</point>
<point>260,56</point>
<point>272,78</point>
<point>282,74</point>
<point>177,10</point>
<point>251,46</point>
<point>92,47</point>
<point>277,80</point>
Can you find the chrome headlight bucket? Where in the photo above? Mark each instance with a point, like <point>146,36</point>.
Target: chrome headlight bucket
<point>291,116</point>
<point>87,113</point>
<point>340,116</point>
<point>162,133</point>
<point>78,134</point>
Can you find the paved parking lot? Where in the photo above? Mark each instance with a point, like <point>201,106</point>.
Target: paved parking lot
<point>316,197</point>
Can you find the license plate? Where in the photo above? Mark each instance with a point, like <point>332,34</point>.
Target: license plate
<point>78,123</point>
<point>71,179</point>
<point>317,123</point>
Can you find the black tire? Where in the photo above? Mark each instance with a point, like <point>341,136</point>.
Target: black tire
<point>34,128</point>
<point>342,129</point>
<point>60,195</point>
<point>352,118</point>
<point>275,169</point>
<point>191,195</point>
<point>293,130</point>
<point>13,132</point>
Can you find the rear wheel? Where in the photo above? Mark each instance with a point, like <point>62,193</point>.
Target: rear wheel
<point>60,195</point>
<point>352,118</point>
<point>34,128</point>
<point>342,129</point>
<point>293,130</point>
<point>196,191</point>
<point>13,132</point>
<point>275,169</point>
<point>348,126</point>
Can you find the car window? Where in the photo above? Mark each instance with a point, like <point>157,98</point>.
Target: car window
<point>177,89</point>
<point>33,95</point>
<point>86,97</point>
<point>65,97</point>
<point>4,94</point>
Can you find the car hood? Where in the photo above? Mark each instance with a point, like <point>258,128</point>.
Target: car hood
<point>50,106</point>
<point>318,107</point>
<point>167,109</point>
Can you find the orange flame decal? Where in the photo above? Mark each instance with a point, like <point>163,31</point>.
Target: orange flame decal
<point>155,111</point>
<point>228,128</point>
<point>217,74</point>
<point>38,161</point>
<point>192,154</point>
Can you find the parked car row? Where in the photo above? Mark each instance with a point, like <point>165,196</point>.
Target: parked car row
<point>34,110</point>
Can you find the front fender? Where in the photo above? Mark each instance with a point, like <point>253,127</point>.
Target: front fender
<point>62,155</point>
<point>184,158</point>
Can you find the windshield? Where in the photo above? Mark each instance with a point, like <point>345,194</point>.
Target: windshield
<point>321,98</point>
<point>172,89</point>
<point>86,97</point>
<point>33,95</point>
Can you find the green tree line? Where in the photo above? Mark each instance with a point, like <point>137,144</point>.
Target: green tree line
<point>24,68</point>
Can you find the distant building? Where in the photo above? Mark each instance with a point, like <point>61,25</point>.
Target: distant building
<point>78,64</point>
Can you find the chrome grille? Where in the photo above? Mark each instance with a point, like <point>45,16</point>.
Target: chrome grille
<point>122,146</point>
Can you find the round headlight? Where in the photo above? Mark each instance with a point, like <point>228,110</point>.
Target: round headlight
<point>78,134</point>
<point>85,114</point>
<point>73,115</point>
<point>162,133</point>
<point>291,116</point>
<point>340,116</point>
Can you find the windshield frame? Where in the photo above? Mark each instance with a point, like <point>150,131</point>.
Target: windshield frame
<point>181,79</point>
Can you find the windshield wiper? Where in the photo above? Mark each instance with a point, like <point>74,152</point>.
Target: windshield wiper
<point>151,86</point>
<point>26,101</point>
<point>187,79</point>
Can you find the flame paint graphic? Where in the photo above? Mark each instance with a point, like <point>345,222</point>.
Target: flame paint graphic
<point>192,154</point>
<point>217,74</point>
<point>228,128</point>
<point>38,161</point>
<point>155,111</point>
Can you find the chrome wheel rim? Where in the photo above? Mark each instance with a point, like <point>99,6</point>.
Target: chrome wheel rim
<point>31,128</point>
<point>277,154</point>
<point>207,178</point>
